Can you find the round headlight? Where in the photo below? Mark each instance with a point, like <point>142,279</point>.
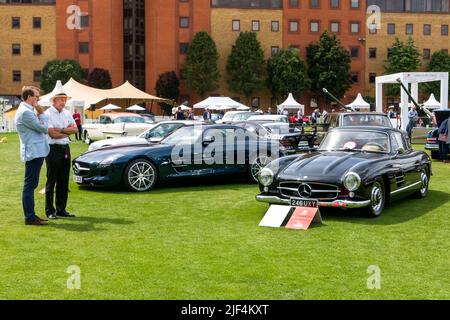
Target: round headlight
<point>352,181</point>
<point>265,177</point>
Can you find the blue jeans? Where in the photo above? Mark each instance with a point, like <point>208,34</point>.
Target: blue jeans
<point>32,172</point>
<point>443,150</point>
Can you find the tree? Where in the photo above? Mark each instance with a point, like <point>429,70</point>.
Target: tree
<point>99,78</point>
<point>246,67</point>
<point>403,57</point>
<point>200,71</point>
<point>440,62</point>
<point>329,66</point>
<point>63,70</point>
<point>286,72</point>
<point>168,86</point>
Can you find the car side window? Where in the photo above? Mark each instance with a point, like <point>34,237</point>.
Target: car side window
<point>397,142</point>
<point>251,128</point>
<point>105,120</point>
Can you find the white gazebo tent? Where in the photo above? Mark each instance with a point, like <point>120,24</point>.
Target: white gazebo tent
<point>291,103</point>
<point>135,108</point>
<point>432,103</point>
<point>110,107</point>
<point>359,103</point>
<point>219,103</point>
<point>413,78</point>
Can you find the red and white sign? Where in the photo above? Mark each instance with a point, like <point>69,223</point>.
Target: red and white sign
<point>301,218</point>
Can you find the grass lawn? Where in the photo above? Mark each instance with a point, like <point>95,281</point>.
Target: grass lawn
<point>203,242</point>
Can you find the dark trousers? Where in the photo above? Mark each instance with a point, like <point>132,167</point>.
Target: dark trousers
<point>32,172</point>
<point>79,136</point>
<point>443,150</point>
<point>58,171</point>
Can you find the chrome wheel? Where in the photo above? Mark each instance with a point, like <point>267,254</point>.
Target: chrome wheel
<point>87,138</point>
<point>257,165</point>
<point>424,184</point>
<point>140,175</point>
<point>377,198</point>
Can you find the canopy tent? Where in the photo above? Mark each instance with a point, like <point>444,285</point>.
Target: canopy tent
<point>413,78</point>
<point>291,103</point>
<point>432,103</point>
<point>123,96</point>
<point>219,103</point>
<point>135,108</point>
<point>359,103</point>
<point>110,107</point>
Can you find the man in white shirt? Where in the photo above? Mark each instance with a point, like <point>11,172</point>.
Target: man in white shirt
<point>61,126</point>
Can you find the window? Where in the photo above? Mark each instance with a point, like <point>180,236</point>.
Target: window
<point>184,22</point>
<point>293,26</point>
<point>445,50</point>
<point>354,52</point>
<point>389,52</point>
<point>372,77</point>
<point>334,27</point>
<point>314,26</point>
<point>372,53</point>
<point>409,28</point>
<point>427,29</point>
<point>83,47</point>
<point>37,49</point>
<point>37,75</point>
<point>444,30</point>
<point>15,22</point>
<point>334,4</point>
<point>37,23</point>
<point>354,27</point>
<point>17,76</point>
<point>16,49</point>
<point>314,4</point>
<point>275,26</point>
<point>355,77</point>
<point>256,102</point>
<point>293,3</point>
<point>255,25</point>
<point>236,25</point>
<point>274,50</point>
<point>354,4</point>
<point>84,21</point>
<point>184,48</point>
<point>373,28</point>
<point>391,28</point>
<point>426,53</point>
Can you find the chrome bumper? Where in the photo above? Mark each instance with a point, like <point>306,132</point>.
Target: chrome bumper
<point>332,204</point>
<point>432,146</point>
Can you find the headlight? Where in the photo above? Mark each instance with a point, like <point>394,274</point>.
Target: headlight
<point>109,160</point>
<point>265,177</point>
<point>352,181</point>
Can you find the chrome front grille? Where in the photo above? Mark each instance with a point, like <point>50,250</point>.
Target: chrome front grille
<point>313,190</point>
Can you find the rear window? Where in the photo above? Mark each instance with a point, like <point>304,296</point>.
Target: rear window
<point>129,120</point>
<point>366,120</point>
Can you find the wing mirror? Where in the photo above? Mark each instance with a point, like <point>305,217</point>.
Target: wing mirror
<point>208,139</point>
<point>400,151</point>
<point>155,139</point>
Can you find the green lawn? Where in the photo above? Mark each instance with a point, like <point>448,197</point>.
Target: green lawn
<point>203,242</point>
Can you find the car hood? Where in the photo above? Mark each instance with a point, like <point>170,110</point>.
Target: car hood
<point>117,141</point>
<point>327,164</point>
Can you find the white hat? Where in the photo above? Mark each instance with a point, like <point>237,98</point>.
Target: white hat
<point>58,92</point>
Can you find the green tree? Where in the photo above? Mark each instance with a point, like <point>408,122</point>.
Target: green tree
<point>286,72</point>
<point>99,78</point>
<point>168,86</point>
<point>200,71</point>
<point>246,67</point>
<point>403,57</point>
<point>329,66</point>
<point>440,62</point>
<point>63,70</point>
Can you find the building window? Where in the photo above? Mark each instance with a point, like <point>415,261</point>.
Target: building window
<point>256,102</point>
<point>373,28</point>
<point>389,52</point>
<point>17,76</point>
<point>293,26</point>
<point>334,27</point>
<point>15,22</point>
<point>37,23</point>
<point>426,54</point>
<point>354,52</point>
<point>184,22</point>
<point>83,47</point>
<point>445,50</point>
<point>275,26</point>
<point>37,75</point>
<point>372,77</point>
<point>354,27</point>
<point>355,77</point>
<point>314,4</point>
<point>427,29</point>
<point>372,53</point>
<point>293,3</point>
<point>354,4</point>
<point>236,25</point>
<point>255,25</point>
<point>314,26</point>
<point>444,30</point>
<point>334,4</point>
<point>16,49</point>
<point>84,21</point>
<point>37,49</point>
<point>184,48</point>
<point>274,50</point>
<point>391,28</point>
<point>409,28</point>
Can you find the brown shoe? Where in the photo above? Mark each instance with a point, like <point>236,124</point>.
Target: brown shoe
<point>35,222</point>
<point>41,219</point>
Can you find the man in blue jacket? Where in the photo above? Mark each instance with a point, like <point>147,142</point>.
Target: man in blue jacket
<point>32,125</point>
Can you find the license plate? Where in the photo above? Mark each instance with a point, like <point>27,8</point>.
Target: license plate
<point>77,179</point>
<point>309,203</point>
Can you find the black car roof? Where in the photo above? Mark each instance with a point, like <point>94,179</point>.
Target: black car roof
<point>358,113</point>
<point>366,128</point>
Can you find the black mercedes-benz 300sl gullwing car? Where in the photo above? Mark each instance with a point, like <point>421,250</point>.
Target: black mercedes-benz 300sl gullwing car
<point>354,167</point>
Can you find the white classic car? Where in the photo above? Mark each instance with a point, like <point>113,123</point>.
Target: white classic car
<point>115,125</point>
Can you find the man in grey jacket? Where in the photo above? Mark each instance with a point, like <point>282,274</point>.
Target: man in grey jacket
<point>32,125</point>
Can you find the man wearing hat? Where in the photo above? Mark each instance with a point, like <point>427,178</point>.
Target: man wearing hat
<point>61,126</point>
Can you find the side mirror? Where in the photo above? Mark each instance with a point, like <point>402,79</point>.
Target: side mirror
<point>155,139</point>
<point>208,139</point>
<point>400,151</point>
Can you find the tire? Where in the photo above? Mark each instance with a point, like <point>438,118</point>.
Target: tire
<point>425,180</point>
<point>256,163</point>
<point>377,199</point>
<point>140,175</point>
<point>435,155</point>
<point>87,138</point>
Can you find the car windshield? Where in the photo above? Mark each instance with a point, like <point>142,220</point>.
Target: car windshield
<point>161,130</point>
<point>277,128</point>
<point>368,141</point>
<point>129,120</point>
<point>185,135</point>
<point>366,120</point>
<point>242,116</point>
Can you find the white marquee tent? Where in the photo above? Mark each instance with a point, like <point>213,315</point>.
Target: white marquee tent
<point>220,103</point>
<point>359,103</point>
<point>432,103</point>
<point>291,103</point>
